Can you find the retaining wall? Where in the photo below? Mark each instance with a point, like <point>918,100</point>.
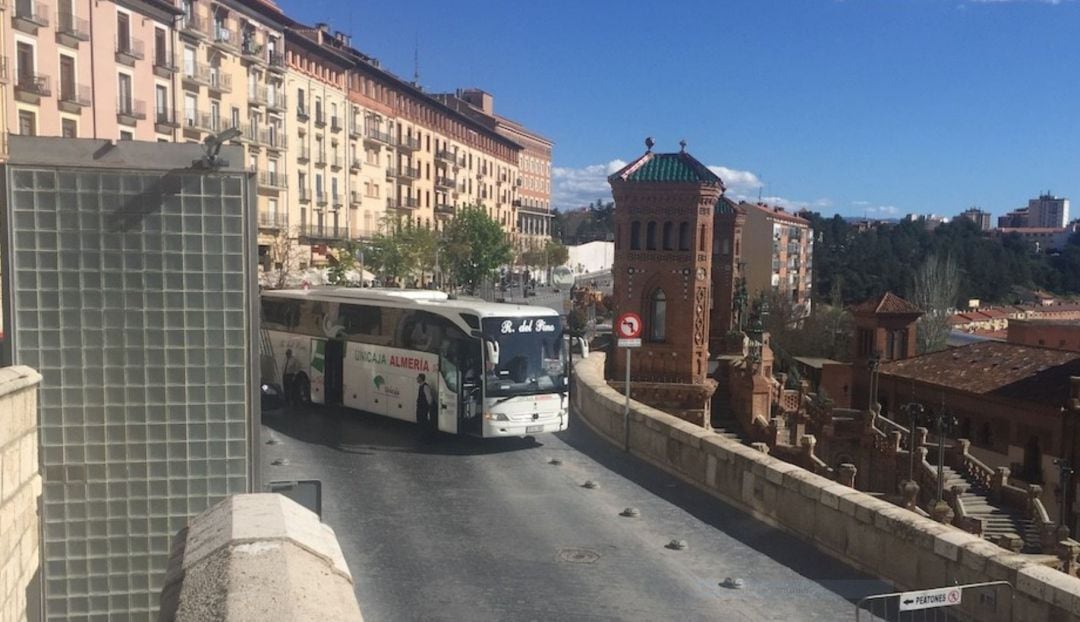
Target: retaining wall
<point>875,536</point>
<point>20,488</point>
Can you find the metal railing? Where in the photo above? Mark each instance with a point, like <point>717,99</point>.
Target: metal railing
<point>194,24</point>
<point>335,160</point>
<point>320,118</point>
<point>272,179</point>
<point>34,83</point>
<point>305,195</point>
<point>224,36</point>
<point>409,142</point>
<point>303,154</point>
<point>402,203</point>
<point>320,197</point>
<point>379,136</point>
<point>129,50</point>
<point>276,60</point>
<point>69,24</point>
<point>131,109</point>
<point>325,232</point>
<point>36,13</point>
<point>337,200</point>
<point>272,220</point>
<point>445,182</point>
<point>335,124</point>
<point>77,94</point>
<point>165,116</point>
<point>356,163</point>
<point>273,138</point>
<point>320,158</point>
<point>220,80</point>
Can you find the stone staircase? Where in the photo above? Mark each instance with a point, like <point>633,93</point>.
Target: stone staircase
<point>725,425</point>
<point>997,521</point>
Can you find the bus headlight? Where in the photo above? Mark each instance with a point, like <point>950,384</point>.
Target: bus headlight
<point>490,416</point>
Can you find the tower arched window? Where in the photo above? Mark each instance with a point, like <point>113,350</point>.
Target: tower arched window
<point>635,236</point>
<point>701,239</point>
<point>650,236</point>
<point>658,315</point>
<point>684,236</point>
<point>669,236</point>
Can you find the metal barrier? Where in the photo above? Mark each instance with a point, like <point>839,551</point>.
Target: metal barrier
<point>989,601</point>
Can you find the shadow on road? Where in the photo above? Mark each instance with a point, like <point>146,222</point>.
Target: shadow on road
<point>782,547</point>
<point>356,432</point>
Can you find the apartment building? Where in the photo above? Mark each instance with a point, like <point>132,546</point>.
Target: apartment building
<point>1048,211</point>
<point>533,223</point>
<point>778,247</point>
<point>977,216</point>
<point>121,91</point>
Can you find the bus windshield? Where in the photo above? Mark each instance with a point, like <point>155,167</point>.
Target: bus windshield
<point>524,355</point>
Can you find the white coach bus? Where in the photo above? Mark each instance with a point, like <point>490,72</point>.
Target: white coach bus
<point>495,369</point>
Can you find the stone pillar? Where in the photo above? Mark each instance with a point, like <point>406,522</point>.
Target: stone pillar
<point>807,444</point>
<point>1033,493</point>
<point>846,474</point>
<point>960,449</point>
<point>997,481</point>
<point>762,447</point>
<point>894,442</point>
<point>920,436</point>
<point>910,493</point>
<point>941,512</point>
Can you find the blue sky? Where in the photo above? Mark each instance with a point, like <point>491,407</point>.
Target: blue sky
<point>858,107</point>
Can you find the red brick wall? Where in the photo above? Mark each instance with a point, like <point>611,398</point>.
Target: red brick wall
<point>1049,335</point>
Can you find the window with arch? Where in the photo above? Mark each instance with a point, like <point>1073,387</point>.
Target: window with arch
<point>701,239</point>
<point>669,241</point>
<point>650,236</point>
<point>635,236</point>
<point>658,315</point>
<point>684,236</point>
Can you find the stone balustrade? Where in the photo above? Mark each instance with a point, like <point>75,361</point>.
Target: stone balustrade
<point>891,542</point>
<point>257,557</point>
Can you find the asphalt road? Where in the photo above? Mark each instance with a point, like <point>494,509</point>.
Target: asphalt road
<point>464,529</point>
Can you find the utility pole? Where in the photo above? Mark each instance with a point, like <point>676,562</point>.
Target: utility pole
<point>1066,471</point>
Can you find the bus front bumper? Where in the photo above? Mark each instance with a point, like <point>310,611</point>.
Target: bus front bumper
<point>541,425</point>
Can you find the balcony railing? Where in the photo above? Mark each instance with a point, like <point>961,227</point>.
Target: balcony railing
<point>355,131</point>
<point>71,28</point>
<point>29,16</point>
<point>320,118</point>
<point>320,197</point>
<point>303,154</point>
<point>272,220</point>
<point>305,195</point>
<point>445,182</point>
<point>163,62</point>
<point>356,164</point>
<point>128,112</point>
<point>410,143</point>
<point>320,158</point>
<point>251,50</point>
<point>273,138</point>
<point>204,121</point>
<point>337,200</point>
<point>444,209</point>
<point>194,25</point>
<point>276,60</point>
<point>263,96</point>
<point>301,112</point>
<point>129,50</point>
<point>33,84</point>
<point>402,203</point>
<point>446,156</point>
<point>270,179</point>
<point>335,161</point>
<point>354,197</point>
<point>3,69</point>
<point>376,135</point>
<point>219,80</point>
<point>166,117</point>
<point>74,94</point>
<point>322,232</point>
<point>222,36</point>
<point>335,124</point>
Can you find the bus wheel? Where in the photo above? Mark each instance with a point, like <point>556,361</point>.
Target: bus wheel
<point>303,390</point>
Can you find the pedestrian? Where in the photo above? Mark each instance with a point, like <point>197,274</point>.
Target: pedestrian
<point>425,405</point>
<point>288,377</point>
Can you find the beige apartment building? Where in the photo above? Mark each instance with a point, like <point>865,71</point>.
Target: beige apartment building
<point>533,206</point>
<point>92,69</point>
<point>778,248</point>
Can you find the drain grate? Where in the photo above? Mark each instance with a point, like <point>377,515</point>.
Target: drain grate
<point>578,556</point>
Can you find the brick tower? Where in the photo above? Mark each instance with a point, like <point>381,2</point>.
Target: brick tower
<point>728,224</point>
<point>664,205</point>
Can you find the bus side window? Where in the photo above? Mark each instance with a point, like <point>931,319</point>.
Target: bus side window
<point>311,318</point>
<point>420,330</point>
<point>361,322</point>
<point>278,314</point>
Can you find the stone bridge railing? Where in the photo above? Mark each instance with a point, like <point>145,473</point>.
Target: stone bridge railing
<point>891,542</point>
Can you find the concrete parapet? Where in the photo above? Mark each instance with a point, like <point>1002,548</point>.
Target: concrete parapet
<point>900,546</point>
<point>257,557</point>
<point>20,487</point>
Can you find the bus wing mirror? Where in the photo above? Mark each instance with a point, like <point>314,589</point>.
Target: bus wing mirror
<point>492,351</point>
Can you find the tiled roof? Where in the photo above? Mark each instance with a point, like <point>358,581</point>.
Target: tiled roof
<point>775,212</point>
<point>887,304</point>
<point>725,205</point>
<point>994,313</point>
<point>667,168</point>
<point>1007,370</point>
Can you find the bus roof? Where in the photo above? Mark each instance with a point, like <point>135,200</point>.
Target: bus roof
<point>419,298</point>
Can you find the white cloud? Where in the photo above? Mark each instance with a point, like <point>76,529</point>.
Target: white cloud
<point>882,210</point>
<point>736,181</point>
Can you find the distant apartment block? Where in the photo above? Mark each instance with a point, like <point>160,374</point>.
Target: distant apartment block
<point>1042,239</point>
<point>1048,211</point>
<point>977,216</point>
<point>1016,219</point>
<point>778,248</point>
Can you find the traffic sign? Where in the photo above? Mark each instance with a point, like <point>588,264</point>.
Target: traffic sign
<point>925,599</point>
<point>630,343</point>
<point>562,277</point>
<point>628,326</point>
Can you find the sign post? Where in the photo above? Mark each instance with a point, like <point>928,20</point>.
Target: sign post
<point>926,599</point>
<point>628,330</point>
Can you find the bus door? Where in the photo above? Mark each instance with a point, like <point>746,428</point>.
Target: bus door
<point>449,387</point>
<point>333,376</point>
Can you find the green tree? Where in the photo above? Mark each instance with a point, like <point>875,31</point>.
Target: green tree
<point>473,247</point>
<point>401,251</point>
<point>342,261</point>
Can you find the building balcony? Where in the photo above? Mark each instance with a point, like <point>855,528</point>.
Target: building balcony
<point>323,232</point>
<point>305,195</point>
<point>270,98</point>
<point>223,38</point>
<point>320,159</point>
<point>164,65</point>
<point>196,122</point>
<point>445,182</point>
<point>220,81</point>
<point>444,209</point>
<point>303,154</point>
<point>272,138</point>
<point>402,203</point>
<point>193,26</point>
<point>355,131</point>
<point>320,197</point>
<point>445,155</point>
<point>302,113</point>
<point>409,143</point>
<point>377,136</point>
<point>335,124</point>
<point>130,112</point>
<point>272,180</point>
<point>354,197</point>
<point>165,120</point>
<point>29,16</point>
<point>129,50</point>
<point>272,220</point>
<point>337,200</point>
<point>405,173</point>
<point>71,30</point>
<point>356,164</point>
<point>3,70</point>
<point>320,118</point>
<point>31,87</point>
<point>251,51</point>
<point>336,161</point>
<point>73,97</point>
<point>276,61</point>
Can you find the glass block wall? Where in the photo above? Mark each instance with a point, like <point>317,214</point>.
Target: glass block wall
<point>130,297</point>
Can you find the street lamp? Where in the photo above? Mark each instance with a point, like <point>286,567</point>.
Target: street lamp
<point>945,422</point>
<point>915,413</point>
<point>873,363</point>
<point>1066,469</point>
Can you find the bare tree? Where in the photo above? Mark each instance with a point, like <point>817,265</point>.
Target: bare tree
<point>284,259</point>
<point>935,286</point>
